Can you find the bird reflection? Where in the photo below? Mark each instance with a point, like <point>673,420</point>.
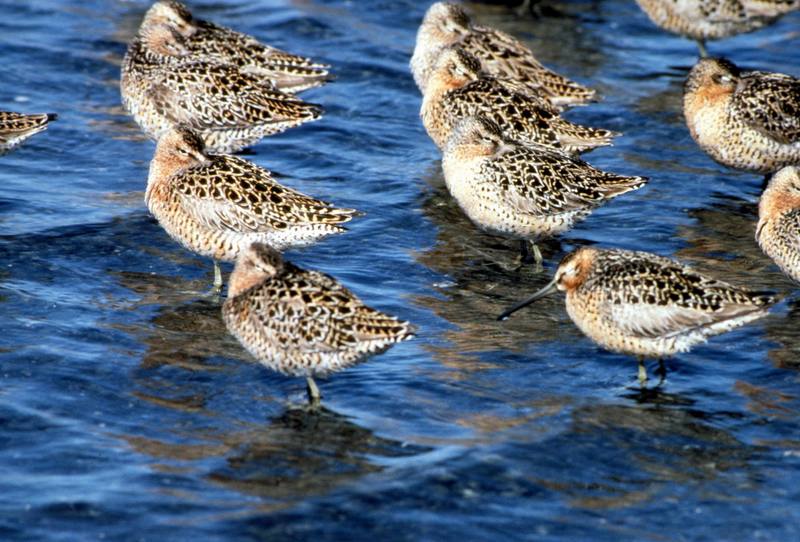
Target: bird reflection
<point>784,333</point>
<point>297,454</point>
<point>726,231</point>
<point>482,278</point>
<point>305,452</point>
<point>185,330</point>
<point>554,43</point>
<point>649,446</point>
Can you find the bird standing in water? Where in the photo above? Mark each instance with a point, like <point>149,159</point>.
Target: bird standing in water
<point>744,120</point>
<point>207,41</point>
<point>218,205</point>
<point>703,20</point>
<point>646,305</point>
<point>525,192</point>
<point>500,54</point>
<point>302,323</point>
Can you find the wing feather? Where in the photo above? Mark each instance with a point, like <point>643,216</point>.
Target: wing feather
<point>233,194</point>
<point>770,103</point>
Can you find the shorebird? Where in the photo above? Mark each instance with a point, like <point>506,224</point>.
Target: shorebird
<point>778,230</point>
<point>703,20</point>
<point>162,85</point>
<point>209,42</point>
<point>520,191</point>
<point>17,127</point>
<point>744,120</point>
<point>302,323</point>
<point>501,55</point>
<point>218,205</point>
<point>646,305</point>
<point>457,89</point>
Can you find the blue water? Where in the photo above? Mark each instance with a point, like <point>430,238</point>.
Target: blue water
<point>128,413</point>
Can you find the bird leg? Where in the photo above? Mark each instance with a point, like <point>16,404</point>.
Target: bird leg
<point>217,277</point>
<point>525,7</point>
<point>525,249</point>
<point>312,390</point>
<point>216,289</point>
<point>642,372</point>
<point>701,44</point>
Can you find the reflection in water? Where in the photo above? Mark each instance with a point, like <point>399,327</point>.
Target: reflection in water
<point>724,230</point>
<point>305,452</point>
<point>483,278</point>
<point>721,242</point>
<point>785,334</point>
<point>295,455</point>
<point>648,447</point>
<point>185,330</point>
<point>575,54</point>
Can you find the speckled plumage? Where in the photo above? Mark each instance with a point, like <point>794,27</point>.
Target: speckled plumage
<point>501,55</point>
<point>17,127</point>
<point>217,206</point>
<point>778,230</point>
<point>209,42</point>
<point>744,120</point>
<point>457,89</point>
<point>646,305</point>
<point>714,19</point>
<point>523,191</point>
<point>299,322</point>
<point>163,86</point>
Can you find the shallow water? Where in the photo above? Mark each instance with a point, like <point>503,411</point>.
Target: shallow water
<point>127,411</point>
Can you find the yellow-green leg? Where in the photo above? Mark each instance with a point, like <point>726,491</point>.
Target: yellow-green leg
<point>530,251</point>
<point>217,277</point>
<point>701,44</point>
<point>314,397</point>
<point>642,372</point>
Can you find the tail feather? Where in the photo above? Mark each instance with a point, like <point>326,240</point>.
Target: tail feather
<point>580,138</point>
<point>616,185</point>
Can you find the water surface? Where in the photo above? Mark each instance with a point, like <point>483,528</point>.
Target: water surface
<point>128,413</point>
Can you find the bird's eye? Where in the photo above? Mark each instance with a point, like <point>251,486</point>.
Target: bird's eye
<point>721,78</point>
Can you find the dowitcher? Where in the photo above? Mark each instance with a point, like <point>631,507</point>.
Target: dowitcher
<point>163,86</point>
<point>16,128</point>
<point>778,230</point>
<point>520,191</point>
<point>207,41</point>
<point>744,120</point>
<point>217,205</point>
<point>302,323</point>
<point>646,305</point>
<point>457,89</point>
<point>703,20</point>
<point>501,55</point>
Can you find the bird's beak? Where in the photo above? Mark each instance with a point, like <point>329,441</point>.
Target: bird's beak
<point>549,288</point>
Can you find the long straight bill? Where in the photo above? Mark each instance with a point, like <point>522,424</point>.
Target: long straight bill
<point>549,288</point>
